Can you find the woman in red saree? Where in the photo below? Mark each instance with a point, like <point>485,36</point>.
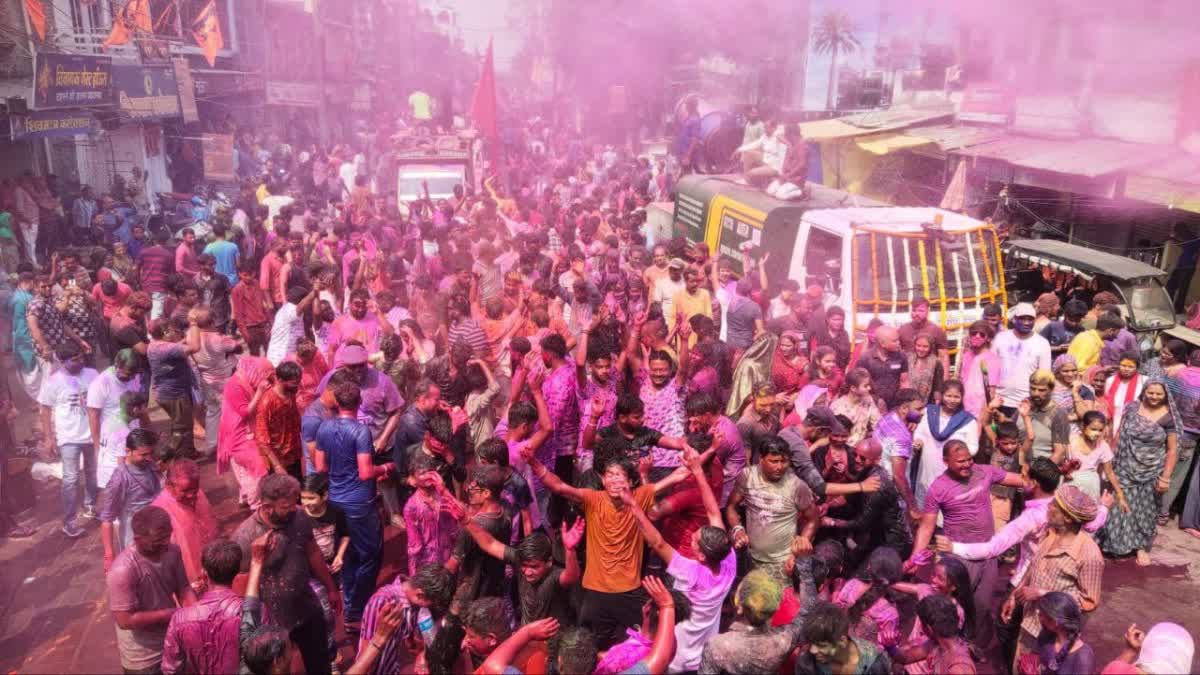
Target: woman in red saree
<point>236,448</point>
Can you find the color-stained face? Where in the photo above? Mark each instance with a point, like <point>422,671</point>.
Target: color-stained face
<point>185,490</point>
<point>959,462</point>
<point>1127,368</point>
<point>920,313</point>
<point>774,466</point>
<point>154,543</point>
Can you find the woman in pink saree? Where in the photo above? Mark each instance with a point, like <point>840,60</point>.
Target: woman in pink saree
<point>192,523</point>
<point>236,448</point>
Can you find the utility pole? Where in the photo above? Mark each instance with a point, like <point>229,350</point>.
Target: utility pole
<point>323,103</point>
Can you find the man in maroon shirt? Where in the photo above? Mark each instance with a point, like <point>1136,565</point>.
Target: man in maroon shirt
<point>185,255</point>
<point>155,264</point>
<point>252,309</point>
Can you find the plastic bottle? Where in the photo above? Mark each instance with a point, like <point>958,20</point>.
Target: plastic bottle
<point>426,625</point>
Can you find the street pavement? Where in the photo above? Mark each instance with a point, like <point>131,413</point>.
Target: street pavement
<point>54,612</point>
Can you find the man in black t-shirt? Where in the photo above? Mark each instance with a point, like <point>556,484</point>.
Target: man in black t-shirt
<point>887,365</point>
<point>541,585</point>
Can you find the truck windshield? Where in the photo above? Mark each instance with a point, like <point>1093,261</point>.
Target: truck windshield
<point>891,268</point>
<point>441,178</point>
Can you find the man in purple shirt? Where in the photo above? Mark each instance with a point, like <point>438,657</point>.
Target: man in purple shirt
<point>382,404</point>
<point>204,638</point>
<point>961,495</point>
<point>1123,343</point>
<point>154,264</point>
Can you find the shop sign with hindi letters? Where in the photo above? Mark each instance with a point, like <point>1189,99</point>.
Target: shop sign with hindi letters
<point>72,80</point>
<point>147,92</point>
<point>52,124</point>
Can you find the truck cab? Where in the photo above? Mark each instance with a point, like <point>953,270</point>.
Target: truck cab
<point>870,259</point>
<point>441,161</point>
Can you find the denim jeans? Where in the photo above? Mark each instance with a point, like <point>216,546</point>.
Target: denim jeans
<point>361,563</point>
<point>72,453</point>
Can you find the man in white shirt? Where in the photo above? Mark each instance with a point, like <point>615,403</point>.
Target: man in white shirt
<point>288,329</point>
<point>667,286</point>
<point>65,425</point>
<point>104,401</point>
<point>1021,352</point>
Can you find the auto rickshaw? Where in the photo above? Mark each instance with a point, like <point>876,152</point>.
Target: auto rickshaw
<point>1036,266</point>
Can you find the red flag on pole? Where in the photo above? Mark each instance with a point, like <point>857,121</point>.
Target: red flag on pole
<point>206,29</point>
<point>483,103</point>
<point>36,12</point>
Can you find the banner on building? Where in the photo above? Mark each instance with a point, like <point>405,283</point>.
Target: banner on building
<point>67,80</point>
<point>218,157</point>
<point>187,89</point>
<point>52,124</point>
<point>298,94</point>
<point>147,92</point>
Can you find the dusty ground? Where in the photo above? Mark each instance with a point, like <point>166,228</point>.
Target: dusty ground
<point>54,615</point>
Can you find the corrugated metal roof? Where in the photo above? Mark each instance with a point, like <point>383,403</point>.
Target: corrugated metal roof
<point>948,137</point>
<point>897,118</point>
<point>1089,157</point>
<point>891,119</point>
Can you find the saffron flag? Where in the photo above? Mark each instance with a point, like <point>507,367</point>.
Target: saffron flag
<point>483,103</point>
<point>36,12</point>
<point>133,18</point>
<point>206,29</point>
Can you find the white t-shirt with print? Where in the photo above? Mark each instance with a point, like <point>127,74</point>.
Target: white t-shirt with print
<point>105,394</point>
<point>65,395</point>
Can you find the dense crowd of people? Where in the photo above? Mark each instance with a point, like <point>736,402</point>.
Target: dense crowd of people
<point>602,453</point>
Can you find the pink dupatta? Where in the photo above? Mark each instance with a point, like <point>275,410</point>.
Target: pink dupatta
<point>191,529</point>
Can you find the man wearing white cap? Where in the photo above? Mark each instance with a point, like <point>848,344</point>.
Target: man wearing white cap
<point>1021,352</point>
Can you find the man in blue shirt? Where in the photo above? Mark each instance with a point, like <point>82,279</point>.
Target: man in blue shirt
<point>225,252</point>
<point>344,450</point>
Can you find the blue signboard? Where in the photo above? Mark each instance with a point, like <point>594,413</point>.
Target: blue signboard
<point>66,80</point>
<point>52,124</point>
<point>147,92</point>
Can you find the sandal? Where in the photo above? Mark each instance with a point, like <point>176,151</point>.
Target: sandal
<point>1163,519</point>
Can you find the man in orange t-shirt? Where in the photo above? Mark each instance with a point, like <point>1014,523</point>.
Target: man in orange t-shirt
<point>612,593</point>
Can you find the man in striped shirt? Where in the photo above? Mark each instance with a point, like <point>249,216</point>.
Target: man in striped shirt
<point>431,587</point>
<point>464,329</point>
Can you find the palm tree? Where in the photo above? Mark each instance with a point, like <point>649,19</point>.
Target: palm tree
<point>834,33</point>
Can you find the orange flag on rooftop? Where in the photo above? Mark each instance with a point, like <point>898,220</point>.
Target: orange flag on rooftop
<point>206,29</point>
<point>134,17</point>
<point>483,103</point>
<point>36,12</point>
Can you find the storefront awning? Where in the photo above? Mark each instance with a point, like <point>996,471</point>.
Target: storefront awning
<point>1173,182</point>
<point>949,138</point>
<point>889,143</point>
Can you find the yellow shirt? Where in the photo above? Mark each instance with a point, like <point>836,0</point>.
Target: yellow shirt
<point>1086,348</point>
<point>688,305</point>
<point>262,193</point>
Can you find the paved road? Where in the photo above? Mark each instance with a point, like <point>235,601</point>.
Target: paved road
<point>54,613</point>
